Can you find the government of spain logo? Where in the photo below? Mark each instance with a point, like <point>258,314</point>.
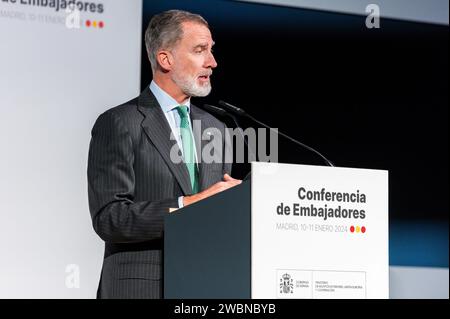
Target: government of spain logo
<point>286,284</point>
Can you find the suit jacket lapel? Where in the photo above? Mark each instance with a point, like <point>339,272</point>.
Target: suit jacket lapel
<point>158,130</point>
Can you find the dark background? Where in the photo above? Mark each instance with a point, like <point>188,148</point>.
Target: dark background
<point>366,98</point>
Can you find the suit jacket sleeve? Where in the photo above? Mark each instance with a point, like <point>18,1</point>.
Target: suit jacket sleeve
<point>116,217</point>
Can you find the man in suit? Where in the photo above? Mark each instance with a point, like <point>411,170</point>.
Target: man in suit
<point>133,180</point>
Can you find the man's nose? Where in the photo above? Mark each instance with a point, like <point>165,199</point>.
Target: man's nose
<point>211,61</point>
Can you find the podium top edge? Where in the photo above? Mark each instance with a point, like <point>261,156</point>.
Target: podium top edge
<point>321,166</point>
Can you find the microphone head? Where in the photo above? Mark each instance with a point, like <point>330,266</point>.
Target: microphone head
<point>214,109</point>
<point>232,108</point>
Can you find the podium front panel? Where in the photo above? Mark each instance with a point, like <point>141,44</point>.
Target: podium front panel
<point>207,247</point>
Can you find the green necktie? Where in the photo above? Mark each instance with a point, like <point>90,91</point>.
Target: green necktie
<point>188,146</point>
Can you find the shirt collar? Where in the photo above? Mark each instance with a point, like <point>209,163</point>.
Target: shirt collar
<point>166,102</point>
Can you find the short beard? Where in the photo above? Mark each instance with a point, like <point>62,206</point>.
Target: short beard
<point>190,87</point>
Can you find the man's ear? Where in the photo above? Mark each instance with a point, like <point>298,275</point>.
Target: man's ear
<point>165,60</point>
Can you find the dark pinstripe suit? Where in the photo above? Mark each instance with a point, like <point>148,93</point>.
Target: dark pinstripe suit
<point>132,183</point>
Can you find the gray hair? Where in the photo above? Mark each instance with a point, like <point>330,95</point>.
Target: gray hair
<point>165,30</point>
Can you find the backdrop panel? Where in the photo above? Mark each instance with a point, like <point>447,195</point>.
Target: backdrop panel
<point>59,71</point>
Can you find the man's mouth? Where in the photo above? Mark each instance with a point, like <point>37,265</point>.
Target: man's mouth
<point>204,77</point>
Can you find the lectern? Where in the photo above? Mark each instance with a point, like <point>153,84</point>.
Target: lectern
<point>291,231</point>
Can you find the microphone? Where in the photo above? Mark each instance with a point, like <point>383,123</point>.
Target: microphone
<point>241,112</point>
<point>222,112</point>
<point>217,110</point>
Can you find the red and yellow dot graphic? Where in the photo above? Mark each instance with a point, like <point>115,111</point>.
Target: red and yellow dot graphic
<point>358,229</point>
<point>94,24</point>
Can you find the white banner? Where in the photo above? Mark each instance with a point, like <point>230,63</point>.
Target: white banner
<point>319,232</point>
